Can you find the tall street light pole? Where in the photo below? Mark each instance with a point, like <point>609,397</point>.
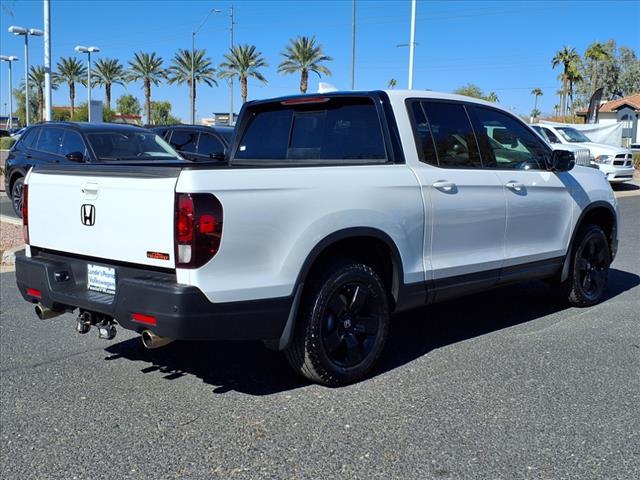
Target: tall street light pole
<point>193,64</point>
<point>88,51</point>
<point>353,44</point>
<point>412,42</point>
<point>26,32</point>
<point>10,60</point>
<point>231,78</point>
<point>47,60</point>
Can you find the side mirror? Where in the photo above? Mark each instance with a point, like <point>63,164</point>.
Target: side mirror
<point>75,157</point>
<point>562,161</point>
<point>217,156</point>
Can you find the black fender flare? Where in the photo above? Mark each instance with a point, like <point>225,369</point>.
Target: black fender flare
<point>317,250</point>
<point>613,245</point>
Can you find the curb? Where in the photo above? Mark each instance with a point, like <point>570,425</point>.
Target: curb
<point>11,220</point>
<point>9,256</point>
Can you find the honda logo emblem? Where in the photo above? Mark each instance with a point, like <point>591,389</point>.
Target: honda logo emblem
<point>88,214</point>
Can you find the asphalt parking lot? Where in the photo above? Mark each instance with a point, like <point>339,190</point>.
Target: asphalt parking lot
<point>504,385</point>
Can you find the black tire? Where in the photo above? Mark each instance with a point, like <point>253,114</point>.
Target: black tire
<point>16,196</point>
<point>589,267</point>
<point>342,326</point>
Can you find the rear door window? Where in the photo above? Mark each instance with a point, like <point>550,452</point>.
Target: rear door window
<point>72,142</point>
<point>452,134</point>
<point>184,140</point>
<point>208,144</point>
<point>338,129</point>
<point>50,140</point>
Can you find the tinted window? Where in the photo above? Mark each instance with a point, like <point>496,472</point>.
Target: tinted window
<point>50,140</point>
<point>130,145</point>
<point>343,129</point>
<point>452,133</point>
<point>209,144</point>
<point>266,136</point>
<point>507,143</point>
<point>184,141</point>
<point>30,137</point>
<point>422,134</point>
<point>551,136</point>
<point>72,142</point>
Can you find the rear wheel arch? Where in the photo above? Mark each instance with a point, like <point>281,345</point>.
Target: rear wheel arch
<point>13,178</point>
<point>369,245</point>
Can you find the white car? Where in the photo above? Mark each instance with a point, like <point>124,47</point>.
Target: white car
<point>332,212</point>
<point>582,154</point>
<point>615,162</point>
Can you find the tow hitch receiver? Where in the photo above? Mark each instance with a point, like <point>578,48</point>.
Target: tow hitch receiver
<point>106,325</point>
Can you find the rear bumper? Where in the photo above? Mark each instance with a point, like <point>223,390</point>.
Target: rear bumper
<point>180,311</point>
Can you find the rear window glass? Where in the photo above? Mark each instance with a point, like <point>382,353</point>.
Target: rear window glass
<point>184,140</point>
<point>454,139</point>
<point>30,137</point>
<point>341,129</point>
<point>135,145</point>
<point>50,140</point>
<point>209,144</point>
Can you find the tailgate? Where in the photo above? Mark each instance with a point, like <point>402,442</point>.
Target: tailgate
<point>107,212</point>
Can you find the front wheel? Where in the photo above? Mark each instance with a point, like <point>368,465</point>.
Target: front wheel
<point>343,326</point>
<point>589,268</point>
<point>16,196</point>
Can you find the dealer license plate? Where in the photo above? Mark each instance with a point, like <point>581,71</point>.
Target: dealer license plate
<point>101,279</point>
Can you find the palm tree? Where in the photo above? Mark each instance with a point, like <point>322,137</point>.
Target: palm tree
<point>565,57</point>
<point>71,70</point>
<point>573,76</point>
<point>392,83</point>
<point>596,52</point>
<point>203,71</point>
<point>535,113</point>
<point>36,81</point>
<point>536,92</point>
<point>304,56</point>
<point>148,68</point>
<point>556,109</point>
<point>107,72</point>
<point>243,61</point>
<point>492,97</point>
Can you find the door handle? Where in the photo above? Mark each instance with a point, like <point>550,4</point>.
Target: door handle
<point>517,186</point>
<point>444,185</point>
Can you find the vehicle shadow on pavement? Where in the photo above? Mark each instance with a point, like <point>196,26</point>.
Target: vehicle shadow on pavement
<point>624,187</point>
<point>254,370</point>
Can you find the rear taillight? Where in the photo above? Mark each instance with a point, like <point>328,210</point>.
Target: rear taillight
<point>198,228</point>
<point>25,214</point>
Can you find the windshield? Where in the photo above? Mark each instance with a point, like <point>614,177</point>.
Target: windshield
<point>134,145</point>
<point>572,135</point>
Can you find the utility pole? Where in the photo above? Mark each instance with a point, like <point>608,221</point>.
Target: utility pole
<point>47,60</point>
<point>231,78</point>
<point>193,65</point>
<point>353,44</point>
<point>412,42</point>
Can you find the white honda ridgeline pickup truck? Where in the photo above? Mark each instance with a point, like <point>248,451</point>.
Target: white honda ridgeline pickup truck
<point>331,212</point>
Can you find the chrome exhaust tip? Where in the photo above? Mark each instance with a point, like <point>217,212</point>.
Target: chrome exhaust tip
<point>150,340</point>
<point>45,313</point>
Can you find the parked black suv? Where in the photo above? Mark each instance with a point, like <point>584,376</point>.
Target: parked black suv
<point>72,143</point>
<point>197,142</point>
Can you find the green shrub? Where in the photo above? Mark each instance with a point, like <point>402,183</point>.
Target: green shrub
<point>6,143</point>
<point>636,160</point>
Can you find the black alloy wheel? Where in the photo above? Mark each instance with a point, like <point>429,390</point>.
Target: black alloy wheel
<point>16,196</point>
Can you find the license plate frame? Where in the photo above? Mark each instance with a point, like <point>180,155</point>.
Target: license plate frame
<point>101,279</point>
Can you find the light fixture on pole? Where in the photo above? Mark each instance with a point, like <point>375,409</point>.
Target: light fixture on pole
<point>193,64</point>
<point>10,60</point>
<point>88,51</point>
<point>26,32</point>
